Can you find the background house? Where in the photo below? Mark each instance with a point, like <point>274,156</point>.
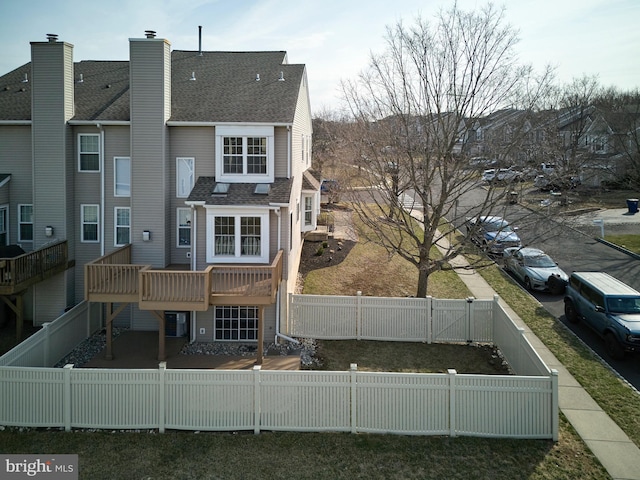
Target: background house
<point>183,160</point>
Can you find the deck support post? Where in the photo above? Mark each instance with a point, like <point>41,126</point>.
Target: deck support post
<point>162,356</point>
<point>18,309</point>
<point>260,335</point>
<point>111,315</point>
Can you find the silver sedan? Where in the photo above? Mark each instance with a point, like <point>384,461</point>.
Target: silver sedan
<point>535,269</point>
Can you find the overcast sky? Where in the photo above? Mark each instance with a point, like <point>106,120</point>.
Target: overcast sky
<point>333,38</point>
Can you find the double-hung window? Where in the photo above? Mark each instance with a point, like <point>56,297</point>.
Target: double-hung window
<point>245,154</point>
<point>184,227</point>
<point>234,237</point>
<point>122,226</point>
<point>89,216</point>
<point>308,211</point>
<point>122,177</point>
<point>25,223</point>
<point>88,152</point>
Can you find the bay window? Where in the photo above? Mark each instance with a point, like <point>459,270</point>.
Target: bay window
<point>236,237</point>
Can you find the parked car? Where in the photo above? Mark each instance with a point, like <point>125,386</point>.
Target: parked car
<point>547,183</point>
<point>535,269</point>
<point>493,234</point>
<point>501,175</point>
<point>547,168</point>
<point>608,306</point>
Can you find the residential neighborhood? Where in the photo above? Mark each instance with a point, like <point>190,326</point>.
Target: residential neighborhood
<point>186,221</point>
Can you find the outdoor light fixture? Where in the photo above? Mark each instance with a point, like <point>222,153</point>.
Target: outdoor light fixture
<point>146,235</point>
<point>48,231</point>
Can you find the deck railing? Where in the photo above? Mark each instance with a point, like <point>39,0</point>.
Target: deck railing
<point>24,270</point>
<point>113,278</point>
<point>184,289</point>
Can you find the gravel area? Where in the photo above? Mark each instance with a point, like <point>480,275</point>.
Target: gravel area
<point>93,345</point>
<point>89,348</point>
<point>306,349</point>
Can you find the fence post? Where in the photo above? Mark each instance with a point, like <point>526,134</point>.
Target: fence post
<point>494,314</point>
<point>162,411</point>
<point>554,404</point>
<point>452,401</point>
<point>256,399</point>
<point>291,320</point>
<point>429,329</point>
<point>470,318</point>
<point>66,400</point>
<point>358,315</point>
<point>46,351</point>
<point>353,380</point>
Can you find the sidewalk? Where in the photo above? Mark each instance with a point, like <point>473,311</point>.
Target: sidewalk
<point>615,451</point>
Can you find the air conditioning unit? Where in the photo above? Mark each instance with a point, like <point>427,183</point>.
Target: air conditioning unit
<point>175,324</point>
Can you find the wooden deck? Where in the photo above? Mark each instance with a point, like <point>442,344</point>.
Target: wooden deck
<point>114,279</point>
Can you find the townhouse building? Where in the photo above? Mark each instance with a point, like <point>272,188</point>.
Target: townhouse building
<point>175,187</point>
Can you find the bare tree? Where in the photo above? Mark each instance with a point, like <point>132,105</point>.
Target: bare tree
<point>621,112</point>
<point>413,111</point>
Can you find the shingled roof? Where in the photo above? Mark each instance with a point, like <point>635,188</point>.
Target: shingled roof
<point>226,88</point>
<point>241,193</point>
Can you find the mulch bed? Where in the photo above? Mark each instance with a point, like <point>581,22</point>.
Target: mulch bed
<point>315,255</point>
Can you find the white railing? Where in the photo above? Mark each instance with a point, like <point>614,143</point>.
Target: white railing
<point>56,339</point>
<point>308,401</point>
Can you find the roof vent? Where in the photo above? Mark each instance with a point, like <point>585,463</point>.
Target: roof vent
<point>150,33</point>
<point>193,76</point>
<point>257,77</point>
<point>281,79</point>
<point>81,79</point>
<point>52,37</point>
<point>26,78</point>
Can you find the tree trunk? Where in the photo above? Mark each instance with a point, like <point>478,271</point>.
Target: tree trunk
<point>423,278</point>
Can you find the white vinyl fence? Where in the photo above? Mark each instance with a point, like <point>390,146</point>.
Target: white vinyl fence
<point>414,320</point>
<point>305,401</point>
<point>56,339</point>
<point>524,406</point>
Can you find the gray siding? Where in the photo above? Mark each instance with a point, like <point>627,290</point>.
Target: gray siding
<point>52,106</point>
<point>150,88</point>
<point>197,143</point>
<point>281,152</point>
<point>15,159</point>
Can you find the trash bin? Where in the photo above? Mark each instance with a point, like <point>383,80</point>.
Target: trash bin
<point>632,205</point>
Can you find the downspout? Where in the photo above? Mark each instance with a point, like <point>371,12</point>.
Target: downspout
<point>192,337</point>
<point>102,187</point>
<point>278,213</point>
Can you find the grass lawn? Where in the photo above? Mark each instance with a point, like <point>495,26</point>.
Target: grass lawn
<point>279,455</point>
<point>630,242</point>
